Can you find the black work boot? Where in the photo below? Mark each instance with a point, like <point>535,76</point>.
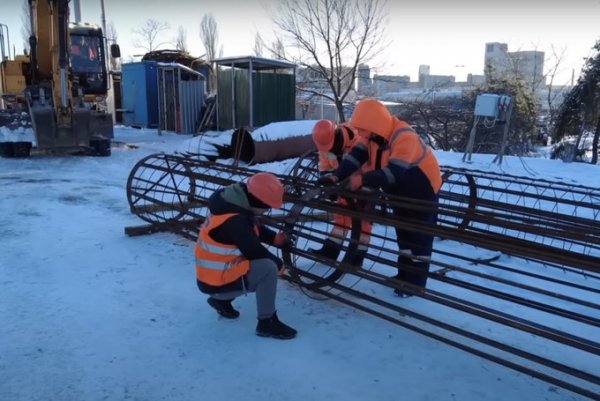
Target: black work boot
<point>415,274</point>
<point>223,307</point>
<point>273,327</point>
<point>355,259</point>
<point>403,262</point>
<point>329,250</point>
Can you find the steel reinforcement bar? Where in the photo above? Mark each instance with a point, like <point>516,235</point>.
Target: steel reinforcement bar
<point>509,269</point>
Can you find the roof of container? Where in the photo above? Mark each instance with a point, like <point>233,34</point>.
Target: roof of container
<point>258,63</point>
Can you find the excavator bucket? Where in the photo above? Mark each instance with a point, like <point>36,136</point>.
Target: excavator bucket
<point>78,133</point>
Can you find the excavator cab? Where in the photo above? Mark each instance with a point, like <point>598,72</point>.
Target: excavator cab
<point>87,58</point>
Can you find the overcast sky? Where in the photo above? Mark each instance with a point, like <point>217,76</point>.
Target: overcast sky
<point>449,36</point>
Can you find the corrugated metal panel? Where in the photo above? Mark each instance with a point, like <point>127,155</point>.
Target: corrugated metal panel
<point>273,97</point>
<point>225,99</point>
<point>181,96</point>
<point>140,94</point>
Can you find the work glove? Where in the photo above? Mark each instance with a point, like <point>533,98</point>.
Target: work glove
<point>333,197</point>
<point>369,181</point>
<point>354,183</point>
<point>328,180</point>
<point>282,240</point>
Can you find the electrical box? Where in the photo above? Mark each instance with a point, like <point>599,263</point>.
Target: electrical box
<point>486,105</point>
<point>503,105</point>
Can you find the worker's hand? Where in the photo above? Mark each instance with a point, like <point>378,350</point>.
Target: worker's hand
<point>354,183</point>
<point>282,240</point>
<point>333,197</point>
<point>281,270</point>
<point>328,180</point>
<point>369,181</point>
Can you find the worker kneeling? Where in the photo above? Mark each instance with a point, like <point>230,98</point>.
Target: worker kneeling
<point>230,258</point>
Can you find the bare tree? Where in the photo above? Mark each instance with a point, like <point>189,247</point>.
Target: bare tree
<point>330,39</point>
<point>111,33</point>
<point>181,40</point>
<point>149,35</point>
<point>259,45</point>
<point>580,112</point>
<point>554,92</point>
<point>209,36</point>
<point>112,38</point>
<point>278,49</point>
<point>25,24</point>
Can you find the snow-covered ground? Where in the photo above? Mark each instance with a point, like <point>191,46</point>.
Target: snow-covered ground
<point>88,313</point>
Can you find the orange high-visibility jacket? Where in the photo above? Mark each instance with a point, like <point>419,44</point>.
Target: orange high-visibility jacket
<point>218,264</point>
<point>403,149</point>
<point>407,150</point>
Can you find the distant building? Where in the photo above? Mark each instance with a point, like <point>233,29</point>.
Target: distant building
<point>428,81</point>
<point>529,65</point>
<point>308,78</point>
<point>526,65</point>
<point>423,70</point>
<point>364,83</point>
<point>496,58</point>
<point>436,81</point>
<point>383,84</point>
<point>475,80</point>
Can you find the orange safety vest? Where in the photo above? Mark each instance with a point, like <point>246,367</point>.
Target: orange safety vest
<point>342,224</point>
<point>218,264</point>
<point>406,149</point>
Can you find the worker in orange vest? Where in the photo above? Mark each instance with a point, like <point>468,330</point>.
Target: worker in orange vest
<point>400,163</point>
<point>332,143</point>
<point>230,258</point>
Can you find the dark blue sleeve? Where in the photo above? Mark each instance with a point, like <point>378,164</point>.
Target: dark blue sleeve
<point>240,232</point>
<point>266,234</point>
<point>374,179</point>
<point>384,177</point>
<point>352,162</point>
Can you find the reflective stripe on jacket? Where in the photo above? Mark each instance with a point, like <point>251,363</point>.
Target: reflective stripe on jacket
<point>218,264</point>
<point>404,150</point>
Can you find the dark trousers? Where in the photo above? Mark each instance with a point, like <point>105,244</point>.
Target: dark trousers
<point>415,247</point>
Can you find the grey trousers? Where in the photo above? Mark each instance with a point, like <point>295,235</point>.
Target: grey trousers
<point>262,280</point>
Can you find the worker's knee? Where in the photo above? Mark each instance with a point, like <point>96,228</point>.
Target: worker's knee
<point>263,268</point>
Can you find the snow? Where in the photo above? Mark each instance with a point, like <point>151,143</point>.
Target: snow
<point>88,313</point>
<point>20,134</point>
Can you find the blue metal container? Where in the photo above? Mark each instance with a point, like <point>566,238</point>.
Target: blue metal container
<point>140,94</point>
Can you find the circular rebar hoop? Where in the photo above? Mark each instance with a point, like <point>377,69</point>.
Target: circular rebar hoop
<point>458,192</point>
<point>159,189</point>
<point>310,230</point>
<point>306,168</point>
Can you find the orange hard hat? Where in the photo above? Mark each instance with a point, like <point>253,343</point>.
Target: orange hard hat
<point>323,135</point>
<point>267,188</point>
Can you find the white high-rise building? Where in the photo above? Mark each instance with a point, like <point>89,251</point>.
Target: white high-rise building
<point>364,83</point>
<point>527,65</point>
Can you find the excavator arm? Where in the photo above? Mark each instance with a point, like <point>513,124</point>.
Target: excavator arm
<point>62,120</point>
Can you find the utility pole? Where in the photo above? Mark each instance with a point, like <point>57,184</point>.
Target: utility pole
<point>103,17</point>
<point>77,10</point>
<point>7,39</point>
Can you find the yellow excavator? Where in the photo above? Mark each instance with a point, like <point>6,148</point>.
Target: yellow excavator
<point>66,82</point>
